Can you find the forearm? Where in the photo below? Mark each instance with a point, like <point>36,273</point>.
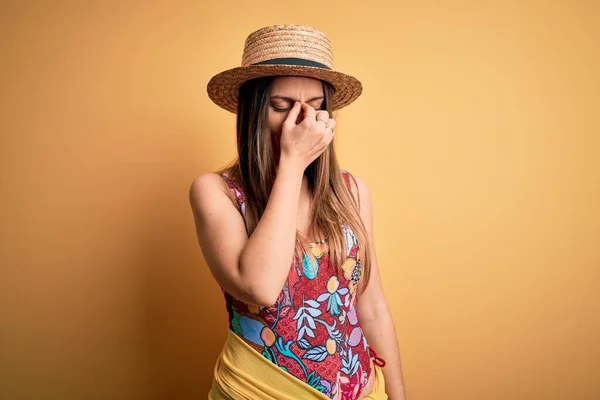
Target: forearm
<point>381,336</point>
<point>266,258</point>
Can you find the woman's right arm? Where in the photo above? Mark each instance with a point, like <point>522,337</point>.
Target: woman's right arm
<point>254,269</point>
<point>248,268</point>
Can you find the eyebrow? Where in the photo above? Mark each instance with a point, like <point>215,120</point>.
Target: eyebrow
<point>292,100</point>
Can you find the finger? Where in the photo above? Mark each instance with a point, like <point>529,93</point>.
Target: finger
<point>329,135</point>
<point>322,115</point>
<point>292,116</point>
<point>322,123</point>
<point>332,123</point>
<point>331,130</point>
<point>309,112</point>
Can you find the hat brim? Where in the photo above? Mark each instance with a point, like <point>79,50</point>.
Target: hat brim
<point>223,88</point>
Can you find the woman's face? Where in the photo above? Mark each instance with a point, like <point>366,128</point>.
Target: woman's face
<point>284,92</point>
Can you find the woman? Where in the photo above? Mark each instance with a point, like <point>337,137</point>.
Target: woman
<point>288,235</point>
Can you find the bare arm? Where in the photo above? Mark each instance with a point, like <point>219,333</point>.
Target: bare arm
<point>248,268</point>
<point>373,311</point>
<point>255,269</point>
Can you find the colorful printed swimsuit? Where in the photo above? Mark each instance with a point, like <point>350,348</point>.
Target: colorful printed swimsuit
<point>312,331</point>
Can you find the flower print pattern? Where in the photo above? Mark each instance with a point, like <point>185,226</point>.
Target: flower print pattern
<point>334,301</point>
<point>277,311</point>
<point>305,317</point>
<point>350,363</point>
<point>310,266</point>
<point>312,331</point>
<point>352,273</point>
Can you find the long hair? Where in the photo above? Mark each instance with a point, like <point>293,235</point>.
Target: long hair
<point>255,170</point>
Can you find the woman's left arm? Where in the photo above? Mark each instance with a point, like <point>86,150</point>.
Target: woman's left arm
<point>373,311</point>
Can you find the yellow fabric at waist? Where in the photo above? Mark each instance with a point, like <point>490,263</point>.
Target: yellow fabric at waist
<point>241,372</point>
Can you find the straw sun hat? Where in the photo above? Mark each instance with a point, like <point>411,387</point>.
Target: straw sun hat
<point>284,50</point>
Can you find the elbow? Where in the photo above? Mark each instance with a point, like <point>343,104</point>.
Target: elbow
<point>259,292</point>
<point>251,293</point>
<point>264,300</point>
<point>258,289</point>
<point>256,296</point>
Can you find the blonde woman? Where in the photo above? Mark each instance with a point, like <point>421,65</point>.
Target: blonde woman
<point>288,234</point>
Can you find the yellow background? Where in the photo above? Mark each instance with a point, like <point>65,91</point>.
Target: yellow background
<point>477,134</point>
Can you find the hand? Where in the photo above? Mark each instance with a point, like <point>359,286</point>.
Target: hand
<point>303,142</point>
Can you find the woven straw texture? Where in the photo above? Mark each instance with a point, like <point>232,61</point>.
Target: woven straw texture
<point>283,41</point>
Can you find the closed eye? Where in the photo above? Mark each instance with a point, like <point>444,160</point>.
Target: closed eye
<point>278,109</point>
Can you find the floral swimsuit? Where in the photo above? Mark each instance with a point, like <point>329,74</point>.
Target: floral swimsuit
<point>312,331</point>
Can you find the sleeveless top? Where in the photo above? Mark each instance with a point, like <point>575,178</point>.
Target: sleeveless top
<point>312,331</point>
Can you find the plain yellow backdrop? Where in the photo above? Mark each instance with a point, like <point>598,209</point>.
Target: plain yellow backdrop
<point>477,134</point>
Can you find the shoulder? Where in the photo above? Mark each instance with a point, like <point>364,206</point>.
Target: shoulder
<point>207,188</point>
<point>204,183</point>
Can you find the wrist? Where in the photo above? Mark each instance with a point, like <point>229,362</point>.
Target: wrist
<point>289,165</point>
